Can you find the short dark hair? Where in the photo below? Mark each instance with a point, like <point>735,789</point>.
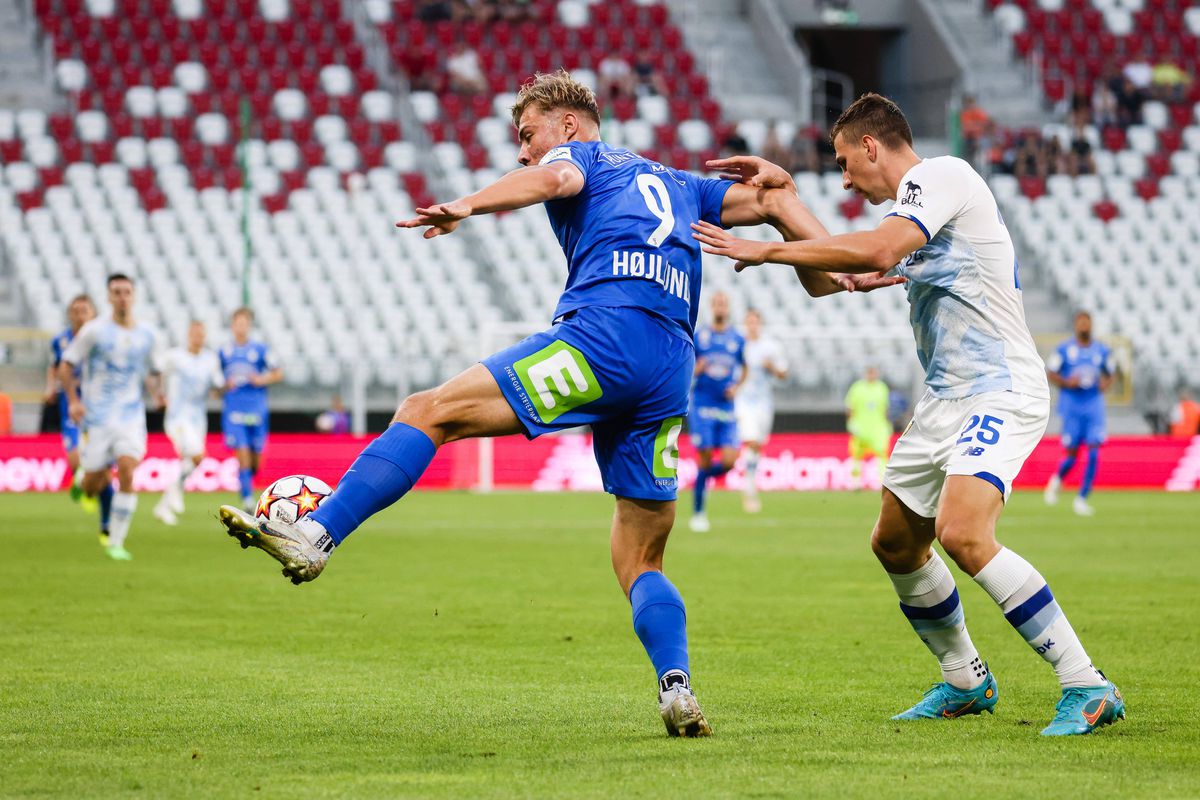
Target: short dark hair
<point>242,311</point>
<point>82,298</point>
<point>873,115</point>
<point>118,276</point>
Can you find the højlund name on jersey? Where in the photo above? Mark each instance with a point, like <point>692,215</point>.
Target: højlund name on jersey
<point>636,264</point>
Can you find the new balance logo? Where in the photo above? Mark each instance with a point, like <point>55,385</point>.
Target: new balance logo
<point>1044,647</point>
<point>973,451</point>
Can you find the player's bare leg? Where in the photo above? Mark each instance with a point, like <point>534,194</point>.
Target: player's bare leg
<point>124,503</point>
<point>639,536</point>
<point>713,463</point>
<point>468,405</point>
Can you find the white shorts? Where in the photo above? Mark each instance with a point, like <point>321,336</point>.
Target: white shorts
<point>187,437</point>
<point>987,435</point>
<point>754,421</point>
<point>103,445</point>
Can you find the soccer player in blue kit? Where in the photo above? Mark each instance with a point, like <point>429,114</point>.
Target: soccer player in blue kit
<point>80,311</point>
<point>618,357</point>
<point>720,372</point>
<point>1082,369</point>
<point>249,368</point>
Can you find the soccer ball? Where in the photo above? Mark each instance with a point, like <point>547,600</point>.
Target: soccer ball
<point>290,499</point>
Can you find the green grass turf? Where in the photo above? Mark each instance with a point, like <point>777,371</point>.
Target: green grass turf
<point>464,646</point>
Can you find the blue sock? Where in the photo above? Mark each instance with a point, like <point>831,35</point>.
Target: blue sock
<point>246,482</point>
<point>660,621</point>
<point>1089,472</point>
<point>106,498</point>
<point>1067,465</point>
<point>699,490</point>
<point>381,475</point>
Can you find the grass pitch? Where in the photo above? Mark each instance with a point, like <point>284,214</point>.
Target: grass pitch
<point>464,646</point>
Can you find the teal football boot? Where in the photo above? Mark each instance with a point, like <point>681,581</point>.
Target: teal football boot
<point>1083,710</point>
<point>944,701</point>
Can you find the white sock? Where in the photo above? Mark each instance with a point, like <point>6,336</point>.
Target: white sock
<point>929,599</point>
<point>123,506</point>
<point>750,487</point>
<point>1030,607</point>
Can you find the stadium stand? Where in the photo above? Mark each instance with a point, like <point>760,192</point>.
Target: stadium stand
<point>142,171</point>
<point>1122,241</point>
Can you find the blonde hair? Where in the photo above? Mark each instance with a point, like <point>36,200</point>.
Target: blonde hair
<point>555,90</point>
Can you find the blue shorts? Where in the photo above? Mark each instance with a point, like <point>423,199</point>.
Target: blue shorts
<point>243,430</point>
<point>1085,428</point>
<point>70,435</point>
<point>713,428</point>
<point>620,370</point>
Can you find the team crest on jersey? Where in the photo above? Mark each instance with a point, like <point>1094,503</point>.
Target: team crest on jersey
<point>912,195</point>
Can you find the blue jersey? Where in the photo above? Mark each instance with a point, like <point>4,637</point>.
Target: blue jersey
<point>627,235</point>
<point>58,346</point>
<point>722,358</point>
<point>245,403</point>
<point>1089,363</point>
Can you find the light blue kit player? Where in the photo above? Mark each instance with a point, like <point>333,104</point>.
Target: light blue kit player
<point>80,311</point>
<point>1082,369</point>
<point>720,372</point>
<point>249,368</point>
<point>618,357</point>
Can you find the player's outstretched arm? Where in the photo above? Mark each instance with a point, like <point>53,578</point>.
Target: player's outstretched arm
<point>853,253</point>
<point>782,209</point>
<point>522,187</point>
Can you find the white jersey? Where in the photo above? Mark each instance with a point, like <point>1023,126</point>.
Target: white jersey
<point>757,390</point>
<point>189,378</point>
<point>114,361</point>
<point>964,292</point>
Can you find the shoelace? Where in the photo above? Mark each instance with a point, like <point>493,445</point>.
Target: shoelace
<point>1071,699</point>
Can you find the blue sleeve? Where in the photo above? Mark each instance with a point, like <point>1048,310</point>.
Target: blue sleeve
<point>711,194</point>
<point>56,350</point>
<point>578,153</point>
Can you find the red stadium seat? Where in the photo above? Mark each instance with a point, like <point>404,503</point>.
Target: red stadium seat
<point>1033,187</point>
<point>1146,188</point>
<point>1113,139</point>
<point>1158,165</point>
<point>102,152</point>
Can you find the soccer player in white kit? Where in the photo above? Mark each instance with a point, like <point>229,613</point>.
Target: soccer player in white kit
<point>755,402</point>
<point>985,409</point>
<point>117,355</point>
<point>191,374</point>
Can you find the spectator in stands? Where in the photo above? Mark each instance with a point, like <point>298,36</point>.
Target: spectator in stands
<point>972,123</point>
<point>1104,97</point>
<point>615,77</point>
<point>1029,160</point>
<point>805,157</point>
<point>774,150</point>
<point>1185,417</point>
<point>434,10</point>
<point>1079,159</point>
<point>735,145</point>
<point>1170,82</point>
<point>464,70</point>
<point>648,80</point>
<point>1129,103</point>
<point>336,420</point>
<point>1139,72</point>
<point>513,10</point>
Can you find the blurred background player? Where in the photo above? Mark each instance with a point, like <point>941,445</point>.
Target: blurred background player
<point>249,368</point>
<point>755,403</point>
<point>190,373</point>
<point>867,405</point>
<point>1082,369</point>
<point>80,311</point>
<point>1185,417</point>
<point>720,372</point>
<point>117,357</point>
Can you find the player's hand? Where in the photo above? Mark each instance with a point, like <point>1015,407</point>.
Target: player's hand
<point>868,281</point>
<point>753,171</point>
<point>721,242</point>
<point>75,411</point>
<point>257,379</point>
<point>730,392</point>
<point>160,401</point>
<point>440,219</point>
